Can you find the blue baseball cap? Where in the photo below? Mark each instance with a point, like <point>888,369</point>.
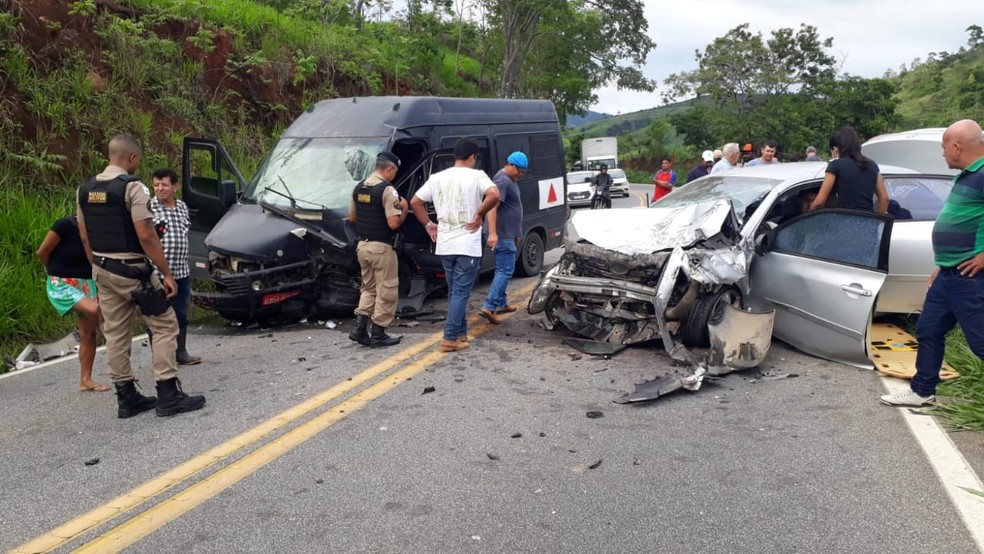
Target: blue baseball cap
<point>519,160</point>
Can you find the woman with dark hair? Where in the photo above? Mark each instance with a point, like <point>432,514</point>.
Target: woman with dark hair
<point>852,177</point>
<point>71,288</point>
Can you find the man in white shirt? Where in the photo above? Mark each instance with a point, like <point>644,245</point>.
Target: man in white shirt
<point>729,158</point>
<point>462,195</point>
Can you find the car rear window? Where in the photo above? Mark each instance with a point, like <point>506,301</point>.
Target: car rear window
<point>579,176</point>
<point>916,198</point>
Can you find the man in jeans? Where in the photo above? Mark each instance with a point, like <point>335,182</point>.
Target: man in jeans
<point>505,232</point>
<point>462,195</point>
<point>956,290</point>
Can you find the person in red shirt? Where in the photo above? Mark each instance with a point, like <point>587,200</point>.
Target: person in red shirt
<point>664,179</point>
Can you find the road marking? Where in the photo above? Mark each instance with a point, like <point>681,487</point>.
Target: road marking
<point>949,464</point>
<point>59,360</point>
<point>168,510</point>
<point>158,485</point>
<point>642,199</point>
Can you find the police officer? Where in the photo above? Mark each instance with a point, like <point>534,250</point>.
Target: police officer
<point>377,212</point>
<point>117,229</point>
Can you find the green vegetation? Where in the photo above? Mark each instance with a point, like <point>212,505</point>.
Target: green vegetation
<point>966,410</point>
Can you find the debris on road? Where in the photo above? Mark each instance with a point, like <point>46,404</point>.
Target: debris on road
<point>34,354</point>
<point>516,435</point>
<point>594,415</point>
<point>330,324</point>
<point>595,465</point>
<point>319,481</point>
<point>431,317</point>
<point>407,323</point>
<point>575,357</point>
<point>91,462</point>
<point>428,390</point>
<point>594,347</point>
<point>491,456</point>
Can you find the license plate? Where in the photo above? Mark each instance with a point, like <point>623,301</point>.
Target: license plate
<point>277,297</point>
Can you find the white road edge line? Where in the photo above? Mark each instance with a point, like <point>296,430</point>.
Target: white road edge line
<point>59,360</point>
<point>948,463</point>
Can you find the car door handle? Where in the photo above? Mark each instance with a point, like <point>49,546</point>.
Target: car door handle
<point>857,289</point>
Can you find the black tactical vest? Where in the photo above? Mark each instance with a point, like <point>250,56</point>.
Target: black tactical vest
<point>107,221</point>
<point>370,215</point>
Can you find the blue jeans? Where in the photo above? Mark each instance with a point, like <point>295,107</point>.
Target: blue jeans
<point>505,265</point>
<point>182,300</point>
<point>952,299</point>
<point>459,271</point>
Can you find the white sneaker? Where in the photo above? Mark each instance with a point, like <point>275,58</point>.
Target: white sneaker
<point>907,397</point>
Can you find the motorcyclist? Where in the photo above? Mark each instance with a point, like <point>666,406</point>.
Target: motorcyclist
<point>602,182</point>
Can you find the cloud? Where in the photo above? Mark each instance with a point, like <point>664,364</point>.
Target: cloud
<point>870,37</point>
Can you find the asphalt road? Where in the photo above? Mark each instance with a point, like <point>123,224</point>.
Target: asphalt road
<point>499,457</point>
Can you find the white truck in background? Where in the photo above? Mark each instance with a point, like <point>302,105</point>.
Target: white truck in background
<point>598,151</point>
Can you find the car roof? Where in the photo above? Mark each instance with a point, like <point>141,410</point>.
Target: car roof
<point>793,173</point>
<point>380,116</point>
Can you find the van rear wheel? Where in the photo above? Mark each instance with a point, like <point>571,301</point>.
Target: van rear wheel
<point>530,255</point>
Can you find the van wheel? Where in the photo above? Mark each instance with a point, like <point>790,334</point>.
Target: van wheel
<point>709,308</point>
<point>530,255</point>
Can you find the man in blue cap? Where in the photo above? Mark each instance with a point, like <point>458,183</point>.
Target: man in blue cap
<point>505,223</point>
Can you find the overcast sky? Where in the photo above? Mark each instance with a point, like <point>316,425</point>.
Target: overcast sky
<point>870,36</point>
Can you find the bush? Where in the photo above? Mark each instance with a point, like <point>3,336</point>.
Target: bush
<point>967,409</point>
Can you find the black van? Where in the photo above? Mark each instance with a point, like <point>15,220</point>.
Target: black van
<point>280,246</point>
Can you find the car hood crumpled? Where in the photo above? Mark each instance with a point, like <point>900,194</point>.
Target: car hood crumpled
<point>635,231</point>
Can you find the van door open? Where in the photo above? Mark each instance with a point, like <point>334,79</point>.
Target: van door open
<point>211,183</point>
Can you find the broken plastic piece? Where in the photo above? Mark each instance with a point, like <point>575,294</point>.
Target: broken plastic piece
<point>594,415</point>
<point>594,347</point>
<point>91,462</point>
<point>428,390</point>
<point>595,465</point>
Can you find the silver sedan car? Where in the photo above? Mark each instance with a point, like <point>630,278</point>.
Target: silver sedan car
<point>743,238</point>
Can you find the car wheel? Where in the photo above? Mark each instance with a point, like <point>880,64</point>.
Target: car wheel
<point>708,309</point>
<point>530,255</point>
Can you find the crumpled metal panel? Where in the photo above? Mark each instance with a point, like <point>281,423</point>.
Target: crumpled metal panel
<point>644,231</point>
<point>740,339</point>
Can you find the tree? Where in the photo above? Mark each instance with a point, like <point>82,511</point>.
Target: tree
<point>564,49</point>
<point>785,88</point>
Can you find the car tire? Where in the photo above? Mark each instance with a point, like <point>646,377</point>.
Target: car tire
<point>530,260</point>
<point>707,309</point>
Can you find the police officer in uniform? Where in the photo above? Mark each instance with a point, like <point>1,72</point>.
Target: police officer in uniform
<point>377,212</point>
<point>117,229</point>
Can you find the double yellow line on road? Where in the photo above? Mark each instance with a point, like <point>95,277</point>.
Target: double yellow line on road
<point>154,518</point>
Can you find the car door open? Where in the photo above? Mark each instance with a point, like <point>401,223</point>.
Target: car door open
<point>822,271</point>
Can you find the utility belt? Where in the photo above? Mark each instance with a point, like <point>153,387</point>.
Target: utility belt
<point>396,243</point>
<point>151,301</point>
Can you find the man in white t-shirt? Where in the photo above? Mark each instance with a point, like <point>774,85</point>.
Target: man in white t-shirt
<point>462,195</point>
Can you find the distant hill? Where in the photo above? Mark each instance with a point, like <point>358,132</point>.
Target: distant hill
<point>629,125</point>
<point>575,120</point>
<point>942,89</point>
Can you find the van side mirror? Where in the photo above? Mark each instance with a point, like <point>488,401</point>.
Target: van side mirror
<point>227,193</point>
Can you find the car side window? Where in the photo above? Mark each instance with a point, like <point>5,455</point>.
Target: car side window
<point>916,198</point>
<point>841,236</point>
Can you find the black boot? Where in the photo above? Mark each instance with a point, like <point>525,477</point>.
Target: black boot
<point>378,337</point>
<point>173,400</point>
<point>130,401</point>
<point>360,335</point>
<point>182,355</point>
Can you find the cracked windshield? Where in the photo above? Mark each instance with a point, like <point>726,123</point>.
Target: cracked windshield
<point>741,191</point>
<point>316,173</point>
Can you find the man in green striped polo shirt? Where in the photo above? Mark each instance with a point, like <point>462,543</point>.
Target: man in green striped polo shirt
<point>956,289</point>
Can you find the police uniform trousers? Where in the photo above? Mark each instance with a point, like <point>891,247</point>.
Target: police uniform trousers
<point>380,282</point>
<point>118,310</point>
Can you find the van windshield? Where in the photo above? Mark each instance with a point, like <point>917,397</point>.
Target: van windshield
<point>317,172</point>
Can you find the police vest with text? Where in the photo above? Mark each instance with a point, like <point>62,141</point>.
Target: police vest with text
<point>370,215</point>
<point>107,220</point>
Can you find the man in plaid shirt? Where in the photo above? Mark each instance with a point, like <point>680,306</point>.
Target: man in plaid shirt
<point>174,214</point>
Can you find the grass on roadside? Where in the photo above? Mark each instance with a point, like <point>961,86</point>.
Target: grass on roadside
<point>966,411</point>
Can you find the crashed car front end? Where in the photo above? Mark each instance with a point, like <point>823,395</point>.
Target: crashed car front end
<point>630,276</point>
